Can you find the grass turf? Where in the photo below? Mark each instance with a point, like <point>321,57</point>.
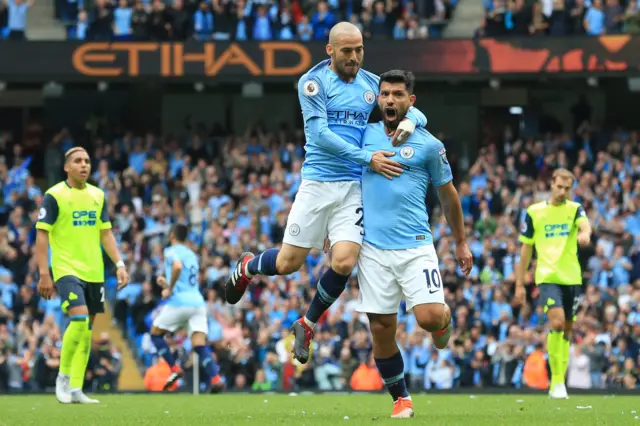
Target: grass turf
<point>347,410</point>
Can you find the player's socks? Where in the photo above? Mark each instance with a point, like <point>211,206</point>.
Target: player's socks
<point>211,369</point>
<point>564,352</point>
<point>554,349</point>
<point>80,360</point>
<point>392,372</point>
<point>163,350</point>
<point>73,336</point>
<point>265,264</point>
<point>330,287</point>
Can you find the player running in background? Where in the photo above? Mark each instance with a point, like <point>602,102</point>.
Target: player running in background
<point>398,257</point>
<point>555,227</point>
<point>337,99</point>
<point>74,221</point>
<point>185,308</point>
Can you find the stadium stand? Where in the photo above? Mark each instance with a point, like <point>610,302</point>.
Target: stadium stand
<point>235,192</point>
<point>250,20</point>
<point>559,18</point>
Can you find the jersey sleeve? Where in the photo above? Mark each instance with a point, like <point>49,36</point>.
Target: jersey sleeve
<point>312,98</point>
<point>438,166</point>
<point>416,117</point>
<point>526,230</point>
<point>48,213</point>
<point>581,215</point>
<point>105,222</point>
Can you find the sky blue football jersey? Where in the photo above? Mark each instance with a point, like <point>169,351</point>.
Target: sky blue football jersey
<point>395,211</point>
<point>344,109</point>
<point>187,289</point>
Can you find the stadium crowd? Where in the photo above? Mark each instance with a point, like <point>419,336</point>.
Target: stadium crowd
<point>249,20</point>
<point>234,191</point>
<point>559,17</point>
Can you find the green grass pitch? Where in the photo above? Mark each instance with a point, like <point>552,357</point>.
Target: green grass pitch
<point>322,410</point>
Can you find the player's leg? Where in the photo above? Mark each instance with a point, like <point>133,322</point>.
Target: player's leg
<point>380,297</point>
<point>169,319</point>
<point>199,329</point>
<point>74,305</point>
<point>571,301</point>
<point>94,296</point>
<point>421,282</point>
<point>345,234</point>
<point>551,297</point>
<point>306,229</point>
<point>390,363</point>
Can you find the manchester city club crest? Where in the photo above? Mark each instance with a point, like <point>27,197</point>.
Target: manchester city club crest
<point>311,88</point>
<point>369,97</point>
<point>406,152</point>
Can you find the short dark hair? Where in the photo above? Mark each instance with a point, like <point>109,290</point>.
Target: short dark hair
<point>180,232</point>
<point>70,152</point>
<point>399,76</point>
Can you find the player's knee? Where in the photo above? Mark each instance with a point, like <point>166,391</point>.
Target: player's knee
<point>556,321</point>
<point>432,316</point>
<point>344,258</point>
<point>382,326</point>
<point>198,339</point>
<point>78,310</point>
<point>155,331</point>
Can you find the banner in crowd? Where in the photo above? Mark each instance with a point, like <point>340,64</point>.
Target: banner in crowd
<point>285,60</point>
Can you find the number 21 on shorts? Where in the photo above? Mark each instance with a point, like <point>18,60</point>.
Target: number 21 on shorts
<point>434,282</point>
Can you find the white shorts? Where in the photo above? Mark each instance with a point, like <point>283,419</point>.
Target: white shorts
<point>193,318</point>
<point>322,209</point>
<point>384,276</point>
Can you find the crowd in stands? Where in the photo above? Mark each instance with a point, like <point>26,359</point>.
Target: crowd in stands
<point>235,190</point>
<point>559,17</point>
<point>250,20</point>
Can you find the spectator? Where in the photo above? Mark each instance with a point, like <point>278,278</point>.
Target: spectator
<point>262,25</point>
<point>203,31</point>
<point>140,22</point>
<point>17,18</point>
<point>122,15</point>
<point>322,21</point>
<point>594,19</point>
<point>101,25</point>
<point>613,17</point>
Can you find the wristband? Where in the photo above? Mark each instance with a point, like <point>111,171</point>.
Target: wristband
<point>120,264</point>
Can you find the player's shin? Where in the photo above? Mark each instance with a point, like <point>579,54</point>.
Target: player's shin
<point>265,264</point>
<point>554,349</point>
<point>80,360</point>
<point>330,287</point>
<point>73,336</point>
<point>207,362</point>
<point>163,350</point>
<point>392,371</point>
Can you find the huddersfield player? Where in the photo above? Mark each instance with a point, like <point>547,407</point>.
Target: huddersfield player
<point>398,257</point>
<point>337,99</point>
<point>555,227</point>
<point>185,307</point>
<point>74,221</point>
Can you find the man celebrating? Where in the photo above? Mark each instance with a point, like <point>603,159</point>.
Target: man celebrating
<point>74,221</point>
<point>555,228</point>
<point>337,99</point>
<point>398,257</point>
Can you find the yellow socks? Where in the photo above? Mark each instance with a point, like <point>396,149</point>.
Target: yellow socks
<point>72,338</point>
<point>80,360</point>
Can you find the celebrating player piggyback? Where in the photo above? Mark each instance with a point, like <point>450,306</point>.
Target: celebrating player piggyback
<point>336,98</point>
<point>398,257</point>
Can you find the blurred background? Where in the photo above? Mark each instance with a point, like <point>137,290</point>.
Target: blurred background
<point>514,90</point>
